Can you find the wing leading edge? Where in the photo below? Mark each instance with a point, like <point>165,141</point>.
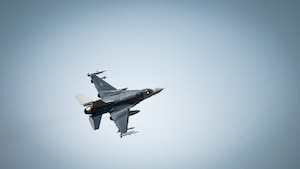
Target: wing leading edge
<point>120,117</point>
<point>101,85</point>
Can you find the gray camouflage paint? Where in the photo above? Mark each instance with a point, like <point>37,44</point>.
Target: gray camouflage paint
<point>230,69</point>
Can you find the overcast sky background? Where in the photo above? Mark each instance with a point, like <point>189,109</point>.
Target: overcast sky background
<point>230,69</point>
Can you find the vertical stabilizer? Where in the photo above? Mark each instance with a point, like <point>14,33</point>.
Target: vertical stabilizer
<point>83,100</point>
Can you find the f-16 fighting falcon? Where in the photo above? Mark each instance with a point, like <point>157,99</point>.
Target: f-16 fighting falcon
<point>117,102</point>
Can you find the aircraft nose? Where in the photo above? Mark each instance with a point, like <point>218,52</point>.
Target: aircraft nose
<point>157,90</point>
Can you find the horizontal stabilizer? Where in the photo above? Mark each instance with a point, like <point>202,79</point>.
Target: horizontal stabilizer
<point>95,121</point>
<point>83,100</point>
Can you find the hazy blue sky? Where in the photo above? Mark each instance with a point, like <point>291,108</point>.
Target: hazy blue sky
<point>230,68</point>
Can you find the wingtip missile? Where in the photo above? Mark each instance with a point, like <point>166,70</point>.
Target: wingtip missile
<point>128,133</point>
<point>130,128</point>
<point>96,73</point>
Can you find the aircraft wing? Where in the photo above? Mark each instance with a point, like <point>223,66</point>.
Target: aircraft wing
<point>120,117</point>
<point>101,85</point>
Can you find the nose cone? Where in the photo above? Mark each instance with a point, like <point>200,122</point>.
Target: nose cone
<point>157,90</point>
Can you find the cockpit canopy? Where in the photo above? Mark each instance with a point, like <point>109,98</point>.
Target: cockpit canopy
<point>146,93</point>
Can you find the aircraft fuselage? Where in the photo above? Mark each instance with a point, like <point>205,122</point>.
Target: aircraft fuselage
<point>132,97</point>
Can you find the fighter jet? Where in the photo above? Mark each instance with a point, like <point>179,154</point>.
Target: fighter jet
<point>116,102</point>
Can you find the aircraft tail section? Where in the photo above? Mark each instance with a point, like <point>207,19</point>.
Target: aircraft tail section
<point>95,121</point>
<point>83,100</point>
